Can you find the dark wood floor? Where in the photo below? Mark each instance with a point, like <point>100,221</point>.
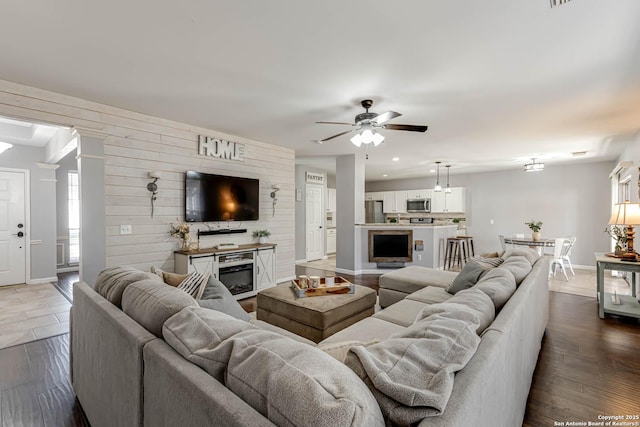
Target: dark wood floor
<point>65,284</point>
<point>587,367</point>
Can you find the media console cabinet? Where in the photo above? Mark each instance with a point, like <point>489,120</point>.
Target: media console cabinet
<point>244,270</point>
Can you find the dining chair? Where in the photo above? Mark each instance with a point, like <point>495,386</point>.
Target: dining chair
<point>561,248</point>
<point>502,243</point>
<point>566,257</point>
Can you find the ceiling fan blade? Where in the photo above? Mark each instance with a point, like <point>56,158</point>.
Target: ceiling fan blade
<point>412,128</point>
<point>385,117</point>
<point>336,123</point>
<point>335,136</point>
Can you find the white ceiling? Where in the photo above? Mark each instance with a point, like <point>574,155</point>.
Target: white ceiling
<point>18,132</point>
<point>497,82</point>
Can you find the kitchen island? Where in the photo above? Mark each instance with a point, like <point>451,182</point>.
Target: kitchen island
<point>434,238</point>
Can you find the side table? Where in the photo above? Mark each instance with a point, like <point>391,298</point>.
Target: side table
<point>630,305</point>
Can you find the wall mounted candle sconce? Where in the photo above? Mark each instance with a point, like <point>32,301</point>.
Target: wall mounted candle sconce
<point>153,188</point>
<point>274,197</point>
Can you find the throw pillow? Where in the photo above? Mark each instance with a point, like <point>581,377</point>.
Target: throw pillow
<point>217,297</point>
<point>194,284</point>
<point>171,279</point>
<point>469,276</point>
<point>339,350</point>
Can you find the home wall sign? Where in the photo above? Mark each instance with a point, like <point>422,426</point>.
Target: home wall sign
<point>220,148</point>
<point>315,178</point>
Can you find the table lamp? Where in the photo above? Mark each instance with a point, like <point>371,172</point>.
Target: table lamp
<point>627,214</point>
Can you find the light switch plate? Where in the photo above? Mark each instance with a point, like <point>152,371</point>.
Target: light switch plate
<point>125,229</point>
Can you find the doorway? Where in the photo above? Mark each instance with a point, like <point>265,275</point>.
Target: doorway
<point>314,208</point>
<point>13,226</point>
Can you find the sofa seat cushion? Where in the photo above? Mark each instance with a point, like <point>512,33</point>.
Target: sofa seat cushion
<point>430,295</point>
<point>112,281</point>
<point>499,284</point>
<point>402,313</point>
<point>473,301</point>
<point>413,278</point>
<point>288,382</point>
<point>151,302</point>
<point>367,329</point>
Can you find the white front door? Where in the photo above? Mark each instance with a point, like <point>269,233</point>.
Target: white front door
<point>315,209</point>
<point>13,228</point>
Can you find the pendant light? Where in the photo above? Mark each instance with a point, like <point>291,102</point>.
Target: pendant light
<point>447,189</point>
<point>438,187</point>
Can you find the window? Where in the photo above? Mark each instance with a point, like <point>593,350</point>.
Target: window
<point>74,218</point>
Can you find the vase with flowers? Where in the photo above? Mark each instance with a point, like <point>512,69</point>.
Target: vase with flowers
<point>535,227</point>
<point>181,231</point>
<point>620,236</point>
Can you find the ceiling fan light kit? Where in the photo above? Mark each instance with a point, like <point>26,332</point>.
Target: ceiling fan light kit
<point>533,166</point>
<point>366,123</point>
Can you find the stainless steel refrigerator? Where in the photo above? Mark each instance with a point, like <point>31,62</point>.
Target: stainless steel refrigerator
<point>373,212</point>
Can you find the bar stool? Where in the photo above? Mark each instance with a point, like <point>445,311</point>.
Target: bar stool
<point>454,254</point>
<point>470,251</point>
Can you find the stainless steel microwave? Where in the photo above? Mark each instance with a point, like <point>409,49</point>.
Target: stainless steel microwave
<point>419,205</point>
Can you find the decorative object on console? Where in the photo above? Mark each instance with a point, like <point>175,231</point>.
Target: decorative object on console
<point>181,231</point>
<point>533,166</point>
<point>153,188</point>
<point>274,189</point>
<point>535,226</point>
<point>626,214</point>
<point>261,235</point>
<point>438,187</point>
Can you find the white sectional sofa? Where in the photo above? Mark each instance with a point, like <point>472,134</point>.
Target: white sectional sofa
<point>161,360</point>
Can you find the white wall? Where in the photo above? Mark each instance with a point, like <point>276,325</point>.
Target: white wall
<point>569,200</point>
<point>135,144</point>
<point>67,164</point>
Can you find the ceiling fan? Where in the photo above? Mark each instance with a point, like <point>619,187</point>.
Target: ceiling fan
<point>366,124</point>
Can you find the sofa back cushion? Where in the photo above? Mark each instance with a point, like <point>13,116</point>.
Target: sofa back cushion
<point>530,254</point>
<point>472,300</point>
<point>151,302</point>
<point>519,266</point>
<point>112,282</point>
<point>288,382</point>
<point>499,284</point>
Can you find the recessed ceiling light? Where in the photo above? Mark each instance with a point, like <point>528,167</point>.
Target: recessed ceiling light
<point>4,146</point>
<point>385,175</point>
<point>395,159</point>
<point>432,170</point>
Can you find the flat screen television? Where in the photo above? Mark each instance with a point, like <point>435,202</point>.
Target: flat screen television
<point>211,197</point>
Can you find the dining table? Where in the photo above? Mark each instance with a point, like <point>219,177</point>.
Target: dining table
<point>539,244</point>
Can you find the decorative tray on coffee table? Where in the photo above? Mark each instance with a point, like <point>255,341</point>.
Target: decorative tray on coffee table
<point>341,286</point>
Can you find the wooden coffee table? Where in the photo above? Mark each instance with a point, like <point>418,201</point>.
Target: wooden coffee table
<point>314,318</point>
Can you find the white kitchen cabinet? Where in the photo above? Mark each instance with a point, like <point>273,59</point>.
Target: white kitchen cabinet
<point>453,202</point>
<point>456,200</point>
<point>265,268</point>
<point>331,241</point>
<point>331,200</point>
<point>394,201</point>
<point>419,194</point>
<point>373,195</point>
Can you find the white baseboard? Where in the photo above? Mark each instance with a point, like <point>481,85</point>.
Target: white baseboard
<point>301,261</point>
<point>42,280</point>
<point>584,267</point>
<point>67,269</point>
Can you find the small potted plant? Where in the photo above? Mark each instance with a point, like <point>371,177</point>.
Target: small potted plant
<point>620,236</point>
<point>261,235</point>
<point>535,226</point>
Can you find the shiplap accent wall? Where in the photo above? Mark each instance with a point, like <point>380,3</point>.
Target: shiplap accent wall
<point>135,144</point>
